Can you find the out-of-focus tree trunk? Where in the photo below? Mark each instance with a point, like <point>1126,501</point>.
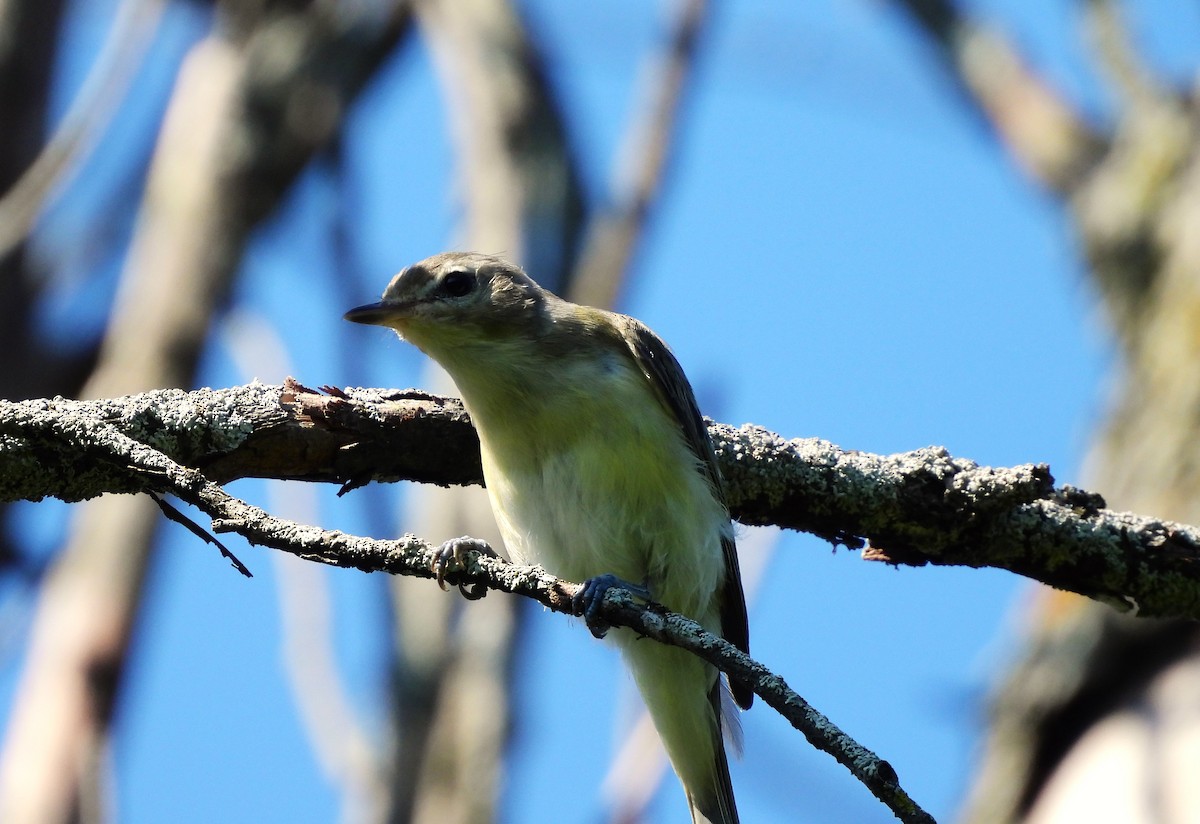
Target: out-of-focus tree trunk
<point>28,45</point>
<point>87,607</point>
<point>1127,739</point>
<point>1100,718</point>
<point>521,195</point>
<point>245,116</point>
<point>55,741</point>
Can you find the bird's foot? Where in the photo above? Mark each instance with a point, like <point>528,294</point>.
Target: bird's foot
<point>586,602</point>
<point>452,556</point>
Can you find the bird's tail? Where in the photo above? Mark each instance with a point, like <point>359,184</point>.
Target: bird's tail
<point>718,807</point>
<point>683,695</point>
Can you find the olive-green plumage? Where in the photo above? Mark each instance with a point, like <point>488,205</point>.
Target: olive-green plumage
<point>597,461</point>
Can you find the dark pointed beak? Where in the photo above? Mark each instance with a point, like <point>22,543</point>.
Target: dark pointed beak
<point>373,313</point>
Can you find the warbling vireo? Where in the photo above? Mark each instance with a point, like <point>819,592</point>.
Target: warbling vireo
<point>599,468</point>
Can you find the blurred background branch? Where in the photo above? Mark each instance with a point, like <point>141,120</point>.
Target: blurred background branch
<point>91,111</point>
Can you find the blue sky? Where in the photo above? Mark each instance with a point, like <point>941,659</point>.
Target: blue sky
<point>843,252</point>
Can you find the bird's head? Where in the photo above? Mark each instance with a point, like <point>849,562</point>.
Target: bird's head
<point>458,299</point>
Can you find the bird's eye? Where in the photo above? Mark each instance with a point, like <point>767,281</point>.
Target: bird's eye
<point>457,284</point>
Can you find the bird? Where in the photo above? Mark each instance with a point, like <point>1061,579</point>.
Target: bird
<point>599,467</point>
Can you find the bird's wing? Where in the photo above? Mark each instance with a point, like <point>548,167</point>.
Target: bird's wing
<point>671,386</point>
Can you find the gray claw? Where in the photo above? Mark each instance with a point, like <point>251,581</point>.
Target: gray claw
<point>452,556</point>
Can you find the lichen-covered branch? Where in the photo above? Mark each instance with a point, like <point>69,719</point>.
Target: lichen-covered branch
<point>152,470</point>
<point>913,508</point>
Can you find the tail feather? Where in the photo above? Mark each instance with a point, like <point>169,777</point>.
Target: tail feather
<point>684,696</point>
<point>731,722</point>
<point>718,807</point>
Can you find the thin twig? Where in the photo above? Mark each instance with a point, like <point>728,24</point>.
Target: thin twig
<point>171,513</point>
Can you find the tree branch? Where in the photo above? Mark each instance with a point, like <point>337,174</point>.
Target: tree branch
<point>152,470</point>
<point>913,508</point>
